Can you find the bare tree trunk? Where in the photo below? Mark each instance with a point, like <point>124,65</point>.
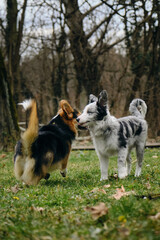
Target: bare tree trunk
<point>13,39</point>
<point>85,62</point>
<point>9,129</point>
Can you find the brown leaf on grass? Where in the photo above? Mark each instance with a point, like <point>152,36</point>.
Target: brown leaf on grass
<point>46,238</point>
<point>37,209</point>
<point>2,155</point>
<point>124,231</point>
<point>148,185</point>
<point>15,189</point>
<point>107,186</point>
<point>156,217</point>
<point>95,190</point>
<point>120,192</point>
<point>97,211</point>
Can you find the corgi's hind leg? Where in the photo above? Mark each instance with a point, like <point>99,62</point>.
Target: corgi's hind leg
<point>29,177</point>
<point>19,166</point>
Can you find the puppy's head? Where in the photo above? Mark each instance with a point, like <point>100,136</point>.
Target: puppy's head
<point>96,110</point>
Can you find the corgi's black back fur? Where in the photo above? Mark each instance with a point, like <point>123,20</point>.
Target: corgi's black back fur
<point>55,138</point>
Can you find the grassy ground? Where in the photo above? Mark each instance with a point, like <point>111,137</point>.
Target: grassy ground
<point>63,200</point>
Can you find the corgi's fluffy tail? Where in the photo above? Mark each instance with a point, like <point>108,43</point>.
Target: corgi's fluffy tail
<point>31,133</point>
<point>138,108</point>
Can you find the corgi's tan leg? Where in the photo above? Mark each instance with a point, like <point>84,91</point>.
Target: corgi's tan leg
<point>19,166</point>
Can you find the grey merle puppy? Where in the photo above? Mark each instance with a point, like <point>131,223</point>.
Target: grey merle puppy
<point>116,136</point>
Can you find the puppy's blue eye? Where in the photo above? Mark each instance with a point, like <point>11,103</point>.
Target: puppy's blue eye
<point>89,112</point>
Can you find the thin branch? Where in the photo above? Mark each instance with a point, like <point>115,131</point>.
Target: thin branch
<point>107,48</point>
<point>91,10</point>
<point>2,27</point>
<point>20,29</point>
<point>106,19</point>
<point>100,39</point>
<point>115,10</point>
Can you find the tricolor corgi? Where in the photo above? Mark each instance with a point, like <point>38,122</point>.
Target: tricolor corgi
<point>40,151</point>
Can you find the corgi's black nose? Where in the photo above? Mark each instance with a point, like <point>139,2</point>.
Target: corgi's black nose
<point>77,119</point>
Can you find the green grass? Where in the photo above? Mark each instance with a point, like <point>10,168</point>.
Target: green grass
<point>63,202</point>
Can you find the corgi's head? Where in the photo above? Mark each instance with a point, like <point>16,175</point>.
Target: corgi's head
<point>67,114</point>
<point>96,110</point>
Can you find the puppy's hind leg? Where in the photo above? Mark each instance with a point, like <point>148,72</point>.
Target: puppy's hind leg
<point>129,163</point>
<point>122,170</point>
<point>139,152</point>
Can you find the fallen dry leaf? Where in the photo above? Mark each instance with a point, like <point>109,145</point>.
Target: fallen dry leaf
<point>15,189</point>
<point>37,209</point>
<point>46,238</point>
<point>97,211</point>
<point>107,186</point>
<point>157,216</point>
<point>154,156</point>
<point>95,190</point>
<point>121,192</point>
<point>124,231</point>
<point>2,155</point>
<point>148,185</point>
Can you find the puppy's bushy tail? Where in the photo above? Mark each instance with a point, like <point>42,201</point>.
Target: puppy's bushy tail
<point>31,133</point>
<point>138,108</point>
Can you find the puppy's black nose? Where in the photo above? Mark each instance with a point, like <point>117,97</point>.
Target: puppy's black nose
<point>77,119</point>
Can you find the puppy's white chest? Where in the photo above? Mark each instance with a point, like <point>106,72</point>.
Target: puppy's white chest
<point>105,146</point>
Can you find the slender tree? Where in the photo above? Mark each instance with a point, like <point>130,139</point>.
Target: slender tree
<point>10,84</point>
<point>13,40</point>
<point>8,125</point>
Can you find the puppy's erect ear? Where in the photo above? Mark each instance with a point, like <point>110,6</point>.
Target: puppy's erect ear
<point>102,99</point>
<point>92,98</point>
<point>67,108</point>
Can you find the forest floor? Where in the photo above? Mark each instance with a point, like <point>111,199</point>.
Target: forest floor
<point>79,206</point>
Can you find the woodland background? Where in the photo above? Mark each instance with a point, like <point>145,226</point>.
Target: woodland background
<point>54,49</point>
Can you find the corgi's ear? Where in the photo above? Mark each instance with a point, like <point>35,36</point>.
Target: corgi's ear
<point>92,98</point>
<point>67,108</point>
<point>102,99</point>
<point>76,113</point>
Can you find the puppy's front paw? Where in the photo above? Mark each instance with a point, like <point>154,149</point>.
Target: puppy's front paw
<point>122,173</point>
<point>103,178</point>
